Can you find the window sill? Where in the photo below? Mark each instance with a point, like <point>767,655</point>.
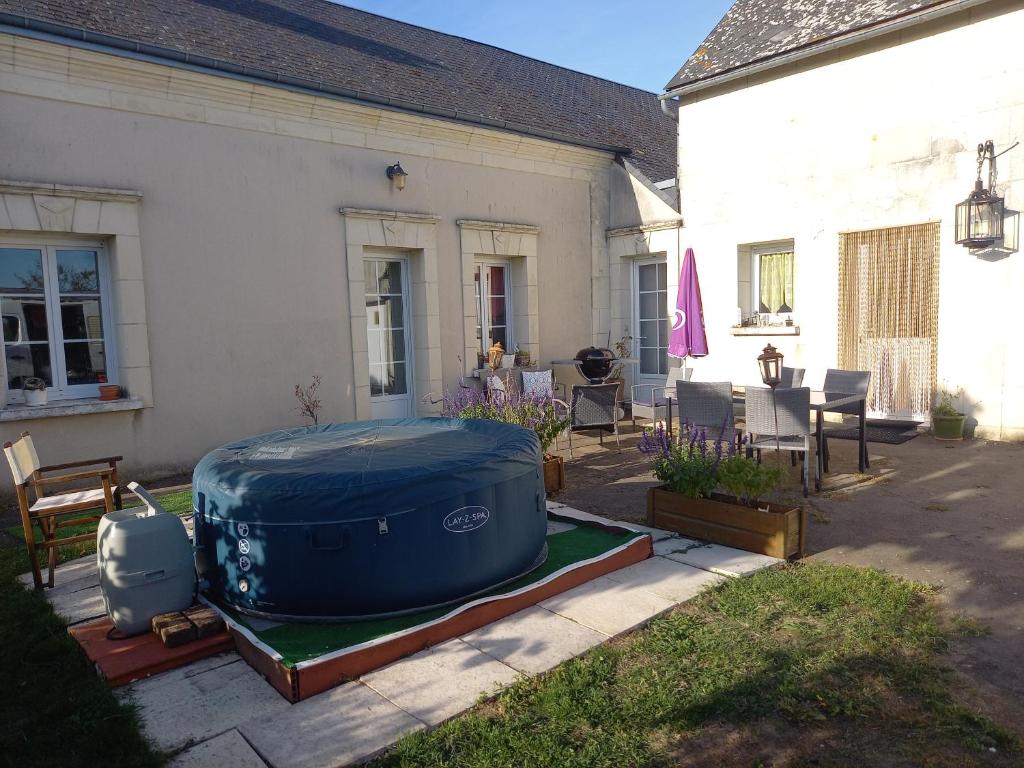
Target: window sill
<point>20,412</point>
<point>765,330</point>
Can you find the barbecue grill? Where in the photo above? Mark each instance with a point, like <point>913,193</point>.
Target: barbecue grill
<point>594,363</point>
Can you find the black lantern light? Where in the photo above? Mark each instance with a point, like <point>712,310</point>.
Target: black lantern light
<point>770,363</point>
<point>397,175</point>
<point>979,218</point>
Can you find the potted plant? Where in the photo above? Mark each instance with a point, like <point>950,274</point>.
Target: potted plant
<point>537,413</point>
<point>35,391</point>
<point>712,491</point>
<point>947,421</point>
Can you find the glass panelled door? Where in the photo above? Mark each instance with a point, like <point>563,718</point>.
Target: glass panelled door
<point>388,337</point>
<point>651,320</point>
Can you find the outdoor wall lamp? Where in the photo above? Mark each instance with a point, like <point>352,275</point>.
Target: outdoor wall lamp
<point>397,175</point>
<point>770,363</point>
<point>979,218</point>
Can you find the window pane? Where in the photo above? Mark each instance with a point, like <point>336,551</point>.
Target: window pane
<point>776,277</point>
<point>395,316</point>
<point>25,360</point>
<point>663,361</point>
<point>394,382</point>
<point>24,319</point>
<point>648,333</point>
<point>375,317</point>
<point>498,333</point>
<point>496,277</point>
<point>666,330</point>
<point>376,377</point>
<point>662,277</point>
<point>648,277</point>
<point>390,276</point>
<point>77,272</point>
<point>21,270</point>
<point>649,360</point>
<point>650,306</point>
<point>397,350</point>
<point>80,318</point>
<point>497,310</point>
<point>85,362</point>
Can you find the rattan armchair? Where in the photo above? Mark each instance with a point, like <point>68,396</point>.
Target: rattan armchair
<point>793,433</point>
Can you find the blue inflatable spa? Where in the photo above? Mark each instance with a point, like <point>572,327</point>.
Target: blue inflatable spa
<point>368,519</point>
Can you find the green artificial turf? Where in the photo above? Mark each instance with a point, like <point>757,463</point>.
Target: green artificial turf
<point>299,642</point>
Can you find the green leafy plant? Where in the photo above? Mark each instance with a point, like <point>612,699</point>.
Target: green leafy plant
<point>945,406</point>
<point>623,348</point>
<point>696,467</point>
<point>747,480</point>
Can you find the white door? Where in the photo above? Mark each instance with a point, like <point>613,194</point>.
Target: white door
<point>389,337</point>
<point>651,324</point>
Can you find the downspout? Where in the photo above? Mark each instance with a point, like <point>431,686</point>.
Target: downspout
<point>824,47</point>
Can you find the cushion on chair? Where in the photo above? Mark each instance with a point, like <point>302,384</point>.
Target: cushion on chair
<point>538,384</point>
<point>47,503</point>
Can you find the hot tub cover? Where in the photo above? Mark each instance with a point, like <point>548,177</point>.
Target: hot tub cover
<point>429,510</point>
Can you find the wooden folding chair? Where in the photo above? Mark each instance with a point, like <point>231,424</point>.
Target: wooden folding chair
<point>50,510</point>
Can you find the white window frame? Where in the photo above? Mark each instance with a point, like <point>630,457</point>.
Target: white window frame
<point>755,277</point>
<point>482,308</point>
<point>49,246</point>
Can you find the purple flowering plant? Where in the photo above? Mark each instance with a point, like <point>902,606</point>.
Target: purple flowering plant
<point>695,466</point>
<point>511,406</point>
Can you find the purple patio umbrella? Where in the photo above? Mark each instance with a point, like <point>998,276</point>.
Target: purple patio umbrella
<point>688,338</point>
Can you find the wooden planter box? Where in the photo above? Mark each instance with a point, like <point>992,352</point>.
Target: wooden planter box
<point>778,533</point>
<point>554,474</point>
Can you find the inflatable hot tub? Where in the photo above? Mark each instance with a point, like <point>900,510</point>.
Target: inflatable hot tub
<point>368,519</point>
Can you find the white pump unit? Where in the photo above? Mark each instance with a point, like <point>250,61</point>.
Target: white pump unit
<point>145,562</point>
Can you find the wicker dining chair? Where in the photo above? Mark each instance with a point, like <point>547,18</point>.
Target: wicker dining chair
<point>648,400</point>
<point>845,383</point>
<point>792,378</point>
<point>594,406</point>
<point>793,407</point>
<point>53,511</point>
<point>708,405</point>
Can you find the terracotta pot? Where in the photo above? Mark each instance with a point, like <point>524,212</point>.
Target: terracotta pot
<point>775,532</point>
<point>554,474</point>
<point>110,392</point>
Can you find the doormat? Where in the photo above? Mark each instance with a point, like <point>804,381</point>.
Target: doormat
<point>302,660</point>
<point>888,435</point>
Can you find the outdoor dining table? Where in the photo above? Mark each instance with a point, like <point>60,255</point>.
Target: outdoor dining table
<point>821,402</point>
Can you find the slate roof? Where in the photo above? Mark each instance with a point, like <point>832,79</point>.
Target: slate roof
<point>318,44</point>
<point>753,31</point>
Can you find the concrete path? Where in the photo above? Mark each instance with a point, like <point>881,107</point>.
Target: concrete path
<point>219,711</point>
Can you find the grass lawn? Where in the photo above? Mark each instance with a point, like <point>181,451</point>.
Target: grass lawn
<point>806,665</point>
<point>54,709</point>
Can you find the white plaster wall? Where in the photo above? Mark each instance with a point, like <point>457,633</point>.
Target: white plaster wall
<point>873,136</point>
<point>244,255</point>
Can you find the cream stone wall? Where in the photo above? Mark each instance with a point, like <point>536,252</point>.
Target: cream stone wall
<point>244,252</point>
<point>878,135</point>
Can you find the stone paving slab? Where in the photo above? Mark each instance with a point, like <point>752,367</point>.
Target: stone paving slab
<point>68,577</point>
<point>229,750</point>
<point>666,578</point>
<point>185,706</point>
<point>534,640</point>
<point>79,606</point>
<point>440,682</point>
<point>713,557</point>
<point>607,606</point>
<point>345,725</point>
